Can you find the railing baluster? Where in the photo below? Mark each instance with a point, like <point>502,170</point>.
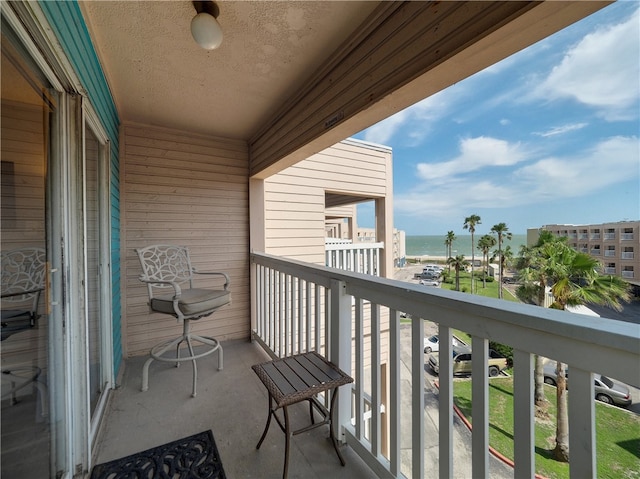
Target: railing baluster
<point>308,346</point>
<point>480,407</point>
<point>417,397</point>
<point>317,317</point>
<point>375,380</point>
<point>445,422</point>
<point>523,414</point>
<point>582,420</point>
<point>287,346</point>
<point>359,369</point>
<point>393,409</point>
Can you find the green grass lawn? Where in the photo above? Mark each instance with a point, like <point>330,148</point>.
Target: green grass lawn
<point>490,290</point>
<point>617,432</point>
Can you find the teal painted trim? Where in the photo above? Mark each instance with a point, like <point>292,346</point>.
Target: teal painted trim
<point>66,21</point>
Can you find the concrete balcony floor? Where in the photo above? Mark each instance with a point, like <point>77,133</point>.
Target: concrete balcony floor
<point>232,403</point>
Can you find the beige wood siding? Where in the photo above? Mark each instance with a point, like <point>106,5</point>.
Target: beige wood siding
<point>192,190</point>
<point>295,198</point>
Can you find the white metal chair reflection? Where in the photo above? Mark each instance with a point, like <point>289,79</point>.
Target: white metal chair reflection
<point>22,279</point>
<point>169,275</point>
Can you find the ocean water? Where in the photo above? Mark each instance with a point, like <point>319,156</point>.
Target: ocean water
<point>434,245</point>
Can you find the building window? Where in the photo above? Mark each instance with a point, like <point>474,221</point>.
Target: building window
<point>627,253</point>
<point>610,234</point>
<point>627,234</point>
<point>610,268</point>
<point>627,272</point>
<point>595,233</point>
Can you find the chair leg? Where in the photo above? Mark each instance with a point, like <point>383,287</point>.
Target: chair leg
<point>195,367</point>
<point>159,352</point>
<point>287,434</point>
<point>334,395</point>
<point>145,374</point>
<point>266,427</point>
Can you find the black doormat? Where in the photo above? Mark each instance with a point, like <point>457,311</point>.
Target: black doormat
<point>193,457</point>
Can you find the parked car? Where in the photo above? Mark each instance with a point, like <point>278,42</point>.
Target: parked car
<point>605,389</point>
<point>432,345</point>
<point>462,362</point>
<point>430,275</point>
<point>430,282</point>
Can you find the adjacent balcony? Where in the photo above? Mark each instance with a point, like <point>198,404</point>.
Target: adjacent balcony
<point>610,253</point>
<point>629,274</point>
<point>626,236</point>
<point>627,255</point>
<point>354,319</point>
<point>609,236</point>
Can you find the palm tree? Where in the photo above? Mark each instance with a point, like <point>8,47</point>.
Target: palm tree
<point>485,243</point>
<point>575,280</point>
<point>470,223</point>
<point>448,242</point>
<point>458,263</point>
<point>502,232</point>
<point>531,264</point>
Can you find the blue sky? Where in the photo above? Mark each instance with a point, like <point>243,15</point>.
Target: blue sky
<point>548,135</point>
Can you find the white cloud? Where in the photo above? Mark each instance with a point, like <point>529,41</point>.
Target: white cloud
<point>602,70</point>
<point>559,130</point>
<point>415,122</point>
<point>475,153</point>
<point>612,161</point>
<point>383,131</point>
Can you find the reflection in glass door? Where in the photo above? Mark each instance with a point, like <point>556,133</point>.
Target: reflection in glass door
<point>28,106</point>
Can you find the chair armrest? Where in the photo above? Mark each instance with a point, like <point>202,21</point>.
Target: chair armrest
<point>175,285</point>
<point>227,280</point>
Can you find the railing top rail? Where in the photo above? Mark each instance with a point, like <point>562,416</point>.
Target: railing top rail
<point>613,345</point>
<point>352,246</point>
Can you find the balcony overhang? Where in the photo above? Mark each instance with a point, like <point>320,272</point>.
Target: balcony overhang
<point>404,52</point>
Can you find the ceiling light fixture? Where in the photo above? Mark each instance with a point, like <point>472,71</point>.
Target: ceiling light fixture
<point>205,29</point>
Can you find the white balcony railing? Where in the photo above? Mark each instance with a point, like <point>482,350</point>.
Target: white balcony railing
<point>357,257</point>
<point>297,307</point>
<point>609,270</point>
<point>627,255</point>
<point>610,253</point>
<point>595,251</point>
<point>626,236</point>
<point>609,236</point>
<point>595,236</point>
<point>627,274</point>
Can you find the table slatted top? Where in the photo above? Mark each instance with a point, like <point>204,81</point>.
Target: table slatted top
<point>296,378</point>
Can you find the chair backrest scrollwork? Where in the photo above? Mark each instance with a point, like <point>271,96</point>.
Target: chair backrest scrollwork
<point>165,263</point>
<point>22,276</point>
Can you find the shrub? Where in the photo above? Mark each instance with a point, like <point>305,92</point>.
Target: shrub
<point>506,351</point>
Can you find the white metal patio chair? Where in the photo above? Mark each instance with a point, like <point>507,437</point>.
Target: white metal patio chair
<point>22,279</point>
<point>169,275</point>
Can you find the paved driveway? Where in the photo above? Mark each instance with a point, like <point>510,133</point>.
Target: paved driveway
<point>461,437</point>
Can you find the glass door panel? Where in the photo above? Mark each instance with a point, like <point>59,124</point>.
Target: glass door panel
<point>93,260</point>
<point>28,106</point>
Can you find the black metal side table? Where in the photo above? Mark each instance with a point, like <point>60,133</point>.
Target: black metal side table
<point>300,378</point>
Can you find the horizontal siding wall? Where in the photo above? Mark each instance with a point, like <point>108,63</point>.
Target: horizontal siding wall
<point>295,198</point>
<point>189,190</point>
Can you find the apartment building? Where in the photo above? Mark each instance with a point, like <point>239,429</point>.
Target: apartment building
<point>616,245</point>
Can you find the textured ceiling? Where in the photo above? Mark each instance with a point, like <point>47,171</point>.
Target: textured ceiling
<point>160,76</point>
